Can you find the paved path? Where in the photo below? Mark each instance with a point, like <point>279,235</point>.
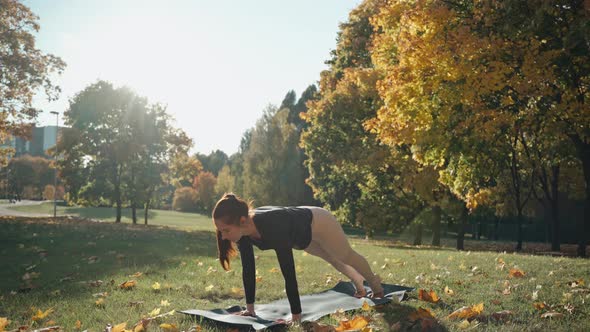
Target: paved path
<point>5,211</point>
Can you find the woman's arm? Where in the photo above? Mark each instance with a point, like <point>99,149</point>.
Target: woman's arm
<point>287,264</point>
<point>248,273</point>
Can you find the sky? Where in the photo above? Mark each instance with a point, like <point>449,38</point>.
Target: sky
<point>216,64</point>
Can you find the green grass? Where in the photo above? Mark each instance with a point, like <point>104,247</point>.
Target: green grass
<point>180,220</point>
<point>65,258</point>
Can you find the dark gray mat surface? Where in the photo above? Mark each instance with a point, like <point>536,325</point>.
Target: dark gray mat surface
<point>314,306</point>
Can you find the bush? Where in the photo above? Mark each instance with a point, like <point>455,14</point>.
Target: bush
<point>185,200</point>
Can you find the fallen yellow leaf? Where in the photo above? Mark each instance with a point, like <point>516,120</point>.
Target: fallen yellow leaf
<point>449,291</point>
<point>539,305</point>
<point>356,323</point>
<point>516,273</point>
<point>273,270</point>
<point>128,284</point>
<point>136,275</point>
<point>154,312</point>
<point>258,279</point>
<point>99,302</point>
<point>119,327</point>
<point>156,286</point>
<point>428,296</point>
<point>467,312</point>
<point>576,283</point>
<point>142,325</point>
<point>209,288</point>
<point>78,324</point>
<point>164,303</point>
<point>41,314</point>
<point>465,324</point>
<point>169,327</point>
<point>3,323</point>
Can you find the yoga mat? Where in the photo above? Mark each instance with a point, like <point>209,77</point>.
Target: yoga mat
<point>314,306</point>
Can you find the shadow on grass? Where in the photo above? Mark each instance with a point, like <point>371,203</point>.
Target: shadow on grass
<point>43,254</point>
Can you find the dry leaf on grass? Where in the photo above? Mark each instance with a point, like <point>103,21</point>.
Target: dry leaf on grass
<point>169,327</point>
<point>128,284</point>
<point>552,314</point>
<point>449,291</point>
<point>119,327</point>
<point>357,323</point>
<point>3,323</point>
<point>576,283</point>
<point>467,312</point>
<point>41,314</point>
<point>465,324</point>
<point>428,296</point>
<point>502,315</point>
<point>516,273</point>
<point>540,305</point>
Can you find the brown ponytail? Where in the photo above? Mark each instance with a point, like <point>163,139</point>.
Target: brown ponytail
<point>229,209</point>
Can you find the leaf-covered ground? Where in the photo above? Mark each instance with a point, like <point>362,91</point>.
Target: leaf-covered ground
<point>82,275</point>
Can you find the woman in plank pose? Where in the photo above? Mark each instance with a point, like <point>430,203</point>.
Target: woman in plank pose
<point>283,229</point>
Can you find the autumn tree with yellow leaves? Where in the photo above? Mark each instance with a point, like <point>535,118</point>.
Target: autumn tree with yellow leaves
<point>491,94</point>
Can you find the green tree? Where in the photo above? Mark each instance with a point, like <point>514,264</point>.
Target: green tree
<point>98,114</point>
<point>204,185</point>
<point>213,162</point>
<point>29,172</point>
<point>24,70</point>
<point>225,182</point>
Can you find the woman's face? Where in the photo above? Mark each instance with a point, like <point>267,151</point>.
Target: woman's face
<point>228,231</point>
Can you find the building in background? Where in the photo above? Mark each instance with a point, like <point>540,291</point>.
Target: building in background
<point>41,139</point>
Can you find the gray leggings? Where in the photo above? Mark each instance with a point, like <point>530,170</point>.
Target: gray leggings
<point>329,242</point>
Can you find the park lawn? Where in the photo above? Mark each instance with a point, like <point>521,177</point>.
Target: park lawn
<point>67,266</point>
<point>180,220</point>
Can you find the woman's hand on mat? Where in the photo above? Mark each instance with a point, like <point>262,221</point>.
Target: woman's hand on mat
<point>295,319</point>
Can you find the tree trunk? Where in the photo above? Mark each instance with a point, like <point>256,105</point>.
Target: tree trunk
<point>548,223</point>
<point>461,230</point>
<point>496,228</point>
<point>555,241</point>
<point>118,193</point>
<point>145,214</point>
<point>519,231</point>
<point>436,212</point>
<point>418,235</point>
<point>479,229</point>
<point>584,152</point>
<point>134,213</point>
<point>119,205</point>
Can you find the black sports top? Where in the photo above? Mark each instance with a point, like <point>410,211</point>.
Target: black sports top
<point>281,229</point>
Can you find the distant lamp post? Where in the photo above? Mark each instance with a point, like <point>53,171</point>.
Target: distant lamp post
<point>55,165</point>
